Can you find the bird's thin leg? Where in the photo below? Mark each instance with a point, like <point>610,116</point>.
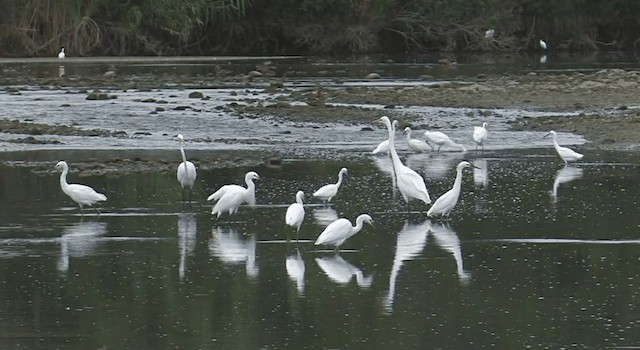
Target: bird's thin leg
<point>81,210</point>
<point>97,211</point>
<point>439,148</point>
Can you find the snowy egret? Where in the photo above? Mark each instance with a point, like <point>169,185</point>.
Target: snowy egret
<point>489,33</point>
<point>543,44</point>
<point>445,203</point>
<point>230,197</point>
<point>326,192</point>
<point>186,171</point>
<point>383,147</point>
<point>410,183</point>
<point>416,145</point>
<point>61,54</point>
<point>480,135</point>
<point>81,194</point>
<point>440,139</point>
<point>338,231</point>
<point>295,212</point>
<point>567,154</point>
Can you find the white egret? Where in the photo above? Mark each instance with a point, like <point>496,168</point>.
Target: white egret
<point>445,203</point>
<point>489,33</point>
<point>230,197</point>
<point>416,145</point>
<point>543,44</point>
<point>383,147</point>
<point>440,139</point>
<point>480,135</point>
<point>61,54</point>
<point>410,183</point>
<point>295,212</point>
<point>567,154</point>
<point>326,192</point>
<point>81,194</point>
<point>186,171</point>
<point>340,230</point>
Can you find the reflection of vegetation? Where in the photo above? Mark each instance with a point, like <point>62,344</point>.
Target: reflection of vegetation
<point>164,27</point>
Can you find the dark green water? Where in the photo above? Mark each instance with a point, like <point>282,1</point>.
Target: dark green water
<point>515,267</point>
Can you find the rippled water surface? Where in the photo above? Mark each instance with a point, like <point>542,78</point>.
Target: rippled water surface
<point>535,255</point>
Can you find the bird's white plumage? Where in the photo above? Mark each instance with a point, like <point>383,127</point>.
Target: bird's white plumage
<point>81,194</point>
<point>186,170</point>
<point>489,33</point>
<point>416,145</point>
<point>480,135</point>
<point>230,197</point>
<point>410,183</point>
<point>543,44</point>
<point>440,139</point>
<point>340,230</point>
<point>566,153</point>
<point>295,212</point>
<point>383,147</point>
<point>445,203</point>
<point>61,54</point>
<point>326,192</point>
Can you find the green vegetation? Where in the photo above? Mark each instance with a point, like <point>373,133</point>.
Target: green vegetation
<point>209,27</point>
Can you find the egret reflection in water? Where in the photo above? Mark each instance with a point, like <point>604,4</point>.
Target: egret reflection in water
<point>565,175</point>
<point>434,166</point>
<point>295,270</point>
<point>229,245</point>
<point>80,240</point>
<point>325,215</point>
<point>480,172</point>
<point>341,271</point>
<point>446,238</point>
<point>187,229</point>
<point>410,243</point>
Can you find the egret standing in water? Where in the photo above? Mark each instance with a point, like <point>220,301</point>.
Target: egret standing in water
<point>230,197</point>
<point>186,171</point>
<point>480,135</point>
<point>445,203</point>
<point>326,192</point>
<point>61,54</point>
<point>295,212</point>
<point>81,194</point>
<point>410,183</point>
<point>567,154</point>
<point>340,230</point>
<point>383,147</point>
<point>415,145</point>
<point>439,138</point>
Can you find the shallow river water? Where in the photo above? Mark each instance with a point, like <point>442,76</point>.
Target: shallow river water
<point>535,255</point>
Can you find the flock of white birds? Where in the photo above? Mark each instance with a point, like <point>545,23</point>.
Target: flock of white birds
<point>411,185</point>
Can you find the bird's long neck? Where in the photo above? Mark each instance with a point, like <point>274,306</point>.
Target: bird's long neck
<point>458,183</point>
<point>408,135</point>
<point>299,199</point>
<point>184,157</point>
<point>63,178</point>
<point>250,185</point>
<point>392,147</point>
<point>555,142</point>
<point>339,179</point>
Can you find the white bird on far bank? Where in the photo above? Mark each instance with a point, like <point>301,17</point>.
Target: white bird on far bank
<point>340,230</point>
<point>326,192</point>
<point>440,139</point>
<point>543,44</point>
<point>81,194</point>
<point>416,145</point>
<point>445,203</point>
<point>489,33</point>
<point>295,212</point>
<point>566,153</point>
<point>61,54</point>
<point>480,135</point>
<point>186,171</point>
